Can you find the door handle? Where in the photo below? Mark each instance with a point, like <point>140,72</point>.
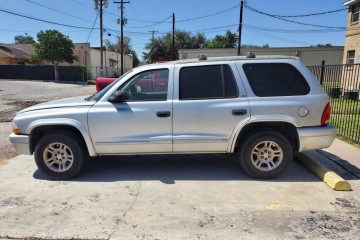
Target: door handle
<point>163,114</point>
<point>239,112</point>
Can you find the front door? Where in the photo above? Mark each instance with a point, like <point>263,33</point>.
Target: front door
<point>140,124</point>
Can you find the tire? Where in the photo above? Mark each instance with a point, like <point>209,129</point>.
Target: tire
<point>265,154</point>
<point>60,155</point>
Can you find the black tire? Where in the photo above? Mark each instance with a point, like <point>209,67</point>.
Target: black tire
<point>60,155</point>
<point>265,154</point>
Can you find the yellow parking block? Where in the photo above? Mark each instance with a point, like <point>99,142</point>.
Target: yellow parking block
<point>333,180</point>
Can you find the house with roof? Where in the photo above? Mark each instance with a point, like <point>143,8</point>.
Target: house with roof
<point>13,55</point>
<point>350,79</point>
<point>352,36</point>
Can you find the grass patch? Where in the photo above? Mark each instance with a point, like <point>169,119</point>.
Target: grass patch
<point>346,117</point>
<point>344,106</point>
<point>327,86</point>
<point>348,141</point>
<point>348,126</point>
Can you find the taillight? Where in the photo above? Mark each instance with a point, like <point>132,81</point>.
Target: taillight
<point>325,118</point>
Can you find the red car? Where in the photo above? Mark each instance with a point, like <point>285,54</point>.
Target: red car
<point>157,83</point>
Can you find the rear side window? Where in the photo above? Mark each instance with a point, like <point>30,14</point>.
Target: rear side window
<point>275,79</point>
<point>207,82</point>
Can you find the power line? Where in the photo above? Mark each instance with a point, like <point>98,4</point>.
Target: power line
<point>287,20</point>
<point>277,37</point>
<point>209,15</point>
<point>53,9</point>
<point>295,31</point>
<point>81,3</point>
<point>148,21</point>
<point>156,23</point>
<point>310,14</point>
<point>186,20</point>
<point>93,26</point>
<point>95,40</point>
<point>12,30</point>
<point>206,29</point>
<point>42,20</point>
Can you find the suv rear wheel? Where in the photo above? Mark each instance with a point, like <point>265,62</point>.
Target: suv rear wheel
<point>60,155</point>
<point>265,154</point>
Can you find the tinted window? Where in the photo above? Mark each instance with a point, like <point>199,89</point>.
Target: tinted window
<point>275,79</point>
<point>204,82</point>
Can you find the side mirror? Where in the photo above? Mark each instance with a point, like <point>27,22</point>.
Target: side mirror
<point>119,96</point>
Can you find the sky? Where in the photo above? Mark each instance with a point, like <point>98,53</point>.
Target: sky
<point>210,17</point>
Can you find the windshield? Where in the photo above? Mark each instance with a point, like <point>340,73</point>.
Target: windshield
<point>97,96</point>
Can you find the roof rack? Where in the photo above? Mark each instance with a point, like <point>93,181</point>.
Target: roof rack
<point>202,57</point>
<point>250,55</point>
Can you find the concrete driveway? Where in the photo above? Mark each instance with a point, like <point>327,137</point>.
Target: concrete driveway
<point>162,196</point>
<point>172,197</point>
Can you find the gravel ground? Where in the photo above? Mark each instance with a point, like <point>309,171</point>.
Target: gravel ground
<point>17,95</point>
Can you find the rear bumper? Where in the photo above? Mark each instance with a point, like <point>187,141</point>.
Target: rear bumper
<point>311,138</point>
<point>21,143</point>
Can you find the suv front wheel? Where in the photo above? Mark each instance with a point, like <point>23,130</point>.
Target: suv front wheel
<point>265,154</point>
<point>60,155</point>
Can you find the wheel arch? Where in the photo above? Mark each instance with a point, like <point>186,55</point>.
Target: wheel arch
<point>39,128</point>
<point>288,130</point>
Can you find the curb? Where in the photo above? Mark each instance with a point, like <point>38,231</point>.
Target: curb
<point>333,180</point>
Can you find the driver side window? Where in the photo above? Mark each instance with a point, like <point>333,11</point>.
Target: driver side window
<point>147,86</point>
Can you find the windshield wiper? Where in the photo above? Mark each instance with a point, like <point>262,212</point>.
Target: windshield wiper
<point>89,98</point>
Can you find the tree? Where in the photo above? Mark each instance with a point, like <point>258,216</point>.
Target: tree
<point>227,41</point>
<point>54,47</point>
<point>322,45</point>
<point>25,38</point>
<point>136,60</point>
<point>254,46</point>
<point>161,48</point>
<point>115,47</point>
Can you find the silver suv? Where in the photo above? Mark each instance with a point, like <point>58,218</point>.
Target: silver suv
<point>261,109</point>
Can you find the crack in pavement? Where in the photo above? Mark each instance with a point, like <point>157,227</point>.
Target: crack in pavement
<point>131,206</point>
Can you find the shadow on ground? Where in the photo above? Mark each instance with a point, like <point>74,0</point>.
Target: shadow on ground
<point>171,168</point>
<point>341,166</point>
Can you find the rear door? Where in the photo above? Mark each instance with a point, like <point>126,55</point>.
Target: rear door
<point>209,102</point>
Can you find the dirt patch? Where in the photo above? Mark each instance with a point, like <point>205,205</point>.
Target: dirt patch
<point>341,224</point>
<point>2,161</point>
<point>7,151</point>
<point>7,116</point>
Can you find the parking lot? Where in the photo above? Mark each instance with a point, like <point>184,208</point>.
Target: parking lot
<point>161,196</point>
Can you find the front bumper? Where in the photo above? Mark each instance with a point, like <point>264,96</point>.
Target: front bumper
<point>21,143</point>
<point>311,138</point>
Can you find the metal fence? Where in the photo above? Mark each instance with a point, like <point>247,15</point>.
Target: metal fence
<point>43,72</point>
<point>94,72</point>
<point>342,84</point>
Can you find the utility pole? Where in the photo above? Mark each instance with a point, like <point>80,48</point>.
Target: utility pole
<point>101,3</point>
<point>240,27</point>
<point>153,34</point>
<point>101,37</point>
<point>122,34</point>
<point>173,37</point>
